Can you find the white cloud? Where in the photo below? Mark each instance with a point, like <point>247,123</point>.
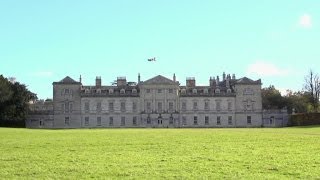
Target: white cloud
<point>42,74</point>
<point>262,68</point>
<point>305,21</point>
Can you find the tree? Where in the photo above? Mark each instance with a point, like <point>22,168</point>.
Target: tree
<point>297,101</point>
<point>272,99</point>
<point>312,86</point>
<point>14,99</point>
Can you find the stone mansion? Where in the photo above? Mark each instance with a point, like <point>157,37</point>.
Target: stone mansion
<point>158,102</point>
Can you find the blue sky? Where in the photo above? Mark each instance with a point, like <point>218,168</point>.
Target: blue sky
<point>44,41</point>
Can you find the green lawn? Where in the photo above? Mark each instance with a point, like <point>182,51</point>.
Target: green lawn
<point>285,153</point>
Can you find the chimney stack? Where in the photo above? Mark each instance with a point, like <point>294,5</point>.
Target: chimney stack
<point>98,81</point>
<point>174,77</point>
<point>139,78</point>
<point>191,82</point>
<point>233,76</point>
<point>121,81</point>
<point>223,76</point>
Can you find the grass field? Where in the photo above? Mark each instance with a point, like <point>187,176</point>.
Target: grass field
<point>285,153</point>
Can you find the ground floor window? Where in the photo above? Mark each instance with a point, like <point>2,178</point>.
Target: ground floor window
<point>206,120</point>
<point>195,120</point>
<point>148,120</point>
<point>86,121</point>
<point>134,120</point>
<point>123,121</point>
<point>67,121</point>
<point>184,120</point>
<point>248,119</point>
<point>99,121</point>
<point>110,121</point>
<point>218,120</point>
<point>230,120</point>
<point>171,120</point>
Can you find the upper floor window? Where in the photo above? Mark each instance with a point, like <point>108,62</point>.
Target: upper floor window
<point>171,106</point>
<point>110,91</point>
<point>148,90</point>
<point>206,105</point>
<point>159,106</point>
<point>86,107</point>
<point>229,106</point>
<point>122,91</point>
<point>184,106</point>
<point>218,105</point>
<point>159,90</point>
<point>123,106</point>
<point>195,105</point>
<point>66,91</point>
<point>134,106</point>
<point>99,107</point>
<point>148,106</point>
<point>111,106</point>
<point>194,91</point>
<point>170,91</point>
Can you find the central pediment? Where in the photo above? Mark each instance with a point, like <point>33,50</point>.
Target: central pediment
<point>159,80</point>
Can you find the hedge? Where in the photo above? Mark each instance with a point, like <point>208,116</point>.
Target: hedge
<point>304,119</point>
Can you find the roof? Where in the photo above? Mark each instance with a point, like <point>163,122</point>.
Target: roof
<point>67,80</point>
<point>246,80</point>
<point>159,80</point>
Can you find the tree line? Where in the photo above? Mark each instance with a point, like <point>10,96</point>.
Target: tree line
<point>14,99</point>
<point>304,101</point>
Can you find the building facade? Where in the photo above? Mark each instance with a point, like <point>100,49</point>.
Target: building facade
<point>158,102</point>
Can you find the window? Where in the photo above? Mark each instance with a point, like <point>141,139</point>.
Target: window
<point>110,121</point>
<point>206,120</point>
<point>71,107</point>
<point>86,107</point>
<point>41,123</point>
<point>184,120</point>
<point>134,120</point>
<point>123,107</point>
<point>159,90</point>
<point>194,91</point>
<point>98,107</point>
<point>110,91</point>
<point>195,105</point>
<point>66,106</point>
<point>122,91</point>
<point>148,91</point>
<point>98,121</point>
<point>171,120</point>
<point>134,106</point>
<point>123,121</point>
<point>229,106</point>
<point>134,91</point>
<point>86,121</point>
<point>218,120</point>
<point>230,120</point>
<point>206,105</point>
<point>248,119</point>
<point>66,91</point>
<point>148,106</point>
<point>171,106</point>
<point>184,106</point>
<point>159,106</point>
<point>111,108</point>
<point>195,120</point>
<point>98,91</point>
<point>170,91</point>
<point>271,119</point>
<point>217,91</point>
<point>67,121</point>
<point>205,91</point>
<point>148,120</point>
<point>218,105</point>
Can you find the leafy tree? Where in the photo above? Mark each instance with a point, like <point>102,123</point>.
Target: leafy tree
<point>14,98</point>
<point>312,87</point>
<point>272,99</point>
<point>298,101</point>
